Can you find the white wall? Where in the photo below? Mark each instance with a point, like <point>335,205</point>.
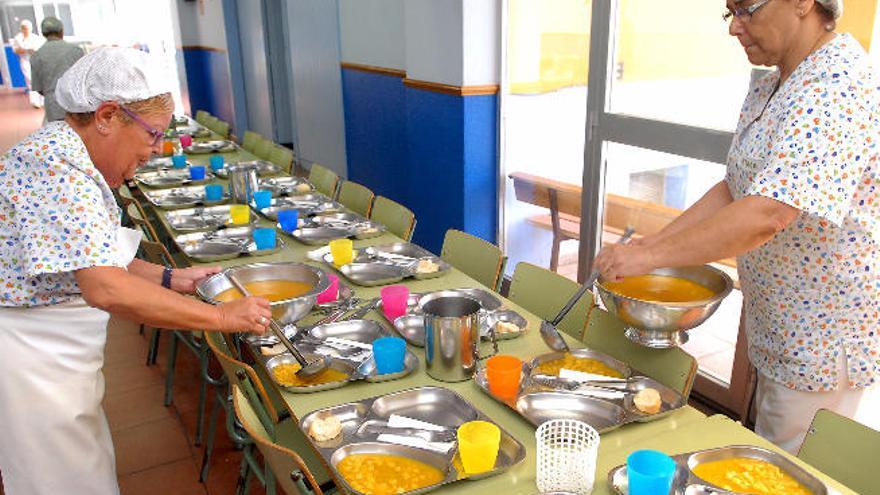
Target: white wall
<point>200,29</point>
<point>481,35</point>
<point>434,40</point>
<point>372,32</point>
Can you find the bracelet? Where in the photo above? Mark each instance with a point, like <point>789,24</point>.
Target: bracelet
<point>166,277</point>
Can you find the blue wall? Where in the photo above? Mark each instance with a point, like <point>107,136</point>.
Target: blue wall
<point>433,152</point>
<point>209,83</point>
<point>14,68</point>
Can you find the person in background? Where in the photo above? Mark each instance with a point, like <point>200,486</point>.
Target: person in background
<point>24,45</point>
<point>800,208</point>
<point>49,62</point>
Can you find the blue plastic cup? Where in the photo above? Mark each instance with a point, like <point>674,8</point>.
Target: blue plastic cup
<point>213,192</point>
<point>389,353</point>
<point>216,162</point>
<point>197,172</point>
<point>649,472</point>
<point>178,161</point>
<point>264,238</point>
<point>262,199</point>
<point>289,220</point>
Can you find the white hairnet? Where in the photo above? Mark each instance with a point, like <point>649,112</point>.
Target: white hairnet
<point>834,7</point>
<point>117,74</point>
<point>25,22</point>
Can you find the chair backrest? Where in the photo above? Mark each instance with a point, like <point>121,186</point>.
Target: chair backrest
<point>396,218</point>
<point>202,117</point>
<point>263,148</point>
<point>480,260</point>
<point>139,217</point>
<point>324,179</point>
<point>210,121</point>
<point>544,293</point>
<point>844,449</point>
<point>542,191</point>
<point>288,467</point>
<point>250,140</point>
<point>356,197</point>
<point>674,367</point>
<point>125,196</point>
<point>221,128</point>
<point>282,157</point>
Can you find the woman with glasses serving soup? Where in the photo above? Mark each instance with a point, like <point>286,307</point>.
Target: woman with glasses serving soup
<point>800,208</point>
<point>66,265</point>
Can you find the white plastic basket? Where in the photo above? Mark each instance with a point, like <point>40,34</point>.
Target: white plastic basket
<point>567,451</point>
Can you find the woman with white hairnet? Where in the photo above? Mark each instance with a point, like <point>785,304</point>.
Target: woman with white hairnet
<point>66,263</point>
<point>800,207</point>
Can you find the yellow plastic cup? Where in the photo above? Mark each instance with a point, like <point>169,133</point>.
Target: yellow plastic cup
<point>342,251</point>
<point>240,214</point>
<point>478,443</point>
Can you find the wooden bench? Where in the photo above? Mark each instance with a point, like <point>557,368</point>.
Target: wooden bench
<point>564,218</point>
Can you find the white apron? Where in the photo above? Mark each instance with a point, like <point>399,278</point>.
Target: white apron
<point>54,436</point>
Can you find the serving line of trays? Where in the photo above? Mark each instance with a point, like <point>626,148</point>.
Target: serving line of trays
<point>389,264</point>
<point>212,146</point>
<point>203,218</point>
<point>286,185</point>
<point>363,422</point>
<point>542,398</point>
<point>171,177</point>
<point>224,244</point>
<point>411,326</point>
<point>688,483</point>
<point>305,204</point>
<point>322,228</point>
<point>181,197</point>
<point>264,168</point>
<point>348,344</point>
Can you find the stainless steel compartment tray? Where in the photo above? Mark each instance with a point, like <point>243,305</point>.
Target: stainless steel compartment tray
<point>383,265</point>
<point>263,168</point>
<point>215,146</point>
<point>410,364</point>
<point>687,483</point>
<point>180,197</point>
<point>306,204</point>
<point>286,185</point>
<point>224,244</point>
<point>202,218</point>
<point>174,177</point>
<point>325,227</point>
<point>436,405</point>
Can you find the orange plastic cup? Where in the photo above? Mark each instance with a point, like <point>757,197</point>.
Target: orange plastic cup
<point>167,148</point>
<point>504,373</point>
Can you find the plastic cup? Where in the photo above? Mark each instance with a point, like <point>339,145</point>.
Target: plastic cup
<point>332,292</point>
<point>478,443</point>
<point>394,301</point>
<point>389,353</point>
<point>213,192</point>
<point>504,373</point>
<point>167,148</point>
<point>197,172</point>
<point>289,220</point>
<point>264,238</point>
<point>262,199</point>
<point>186,140</point>
<point>342,251</point>
<point>240,214</point>
<point>178,161</point>
<point>216,162</point>
<point>649,472</point>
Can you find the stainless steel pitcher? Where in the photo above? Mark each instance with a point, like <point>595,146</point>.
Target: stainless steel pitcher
<point>452,337</point>
<point>242,182</point>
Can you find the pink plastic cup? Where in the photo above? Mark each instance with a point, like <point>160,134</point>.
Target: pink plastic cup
<point>186,140</point>
<point>394,301</point>
<point>332,292</point>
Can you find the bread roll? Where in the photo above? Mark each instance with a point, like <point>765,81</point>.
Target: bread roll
<point>648,401</point>
<point>324,429</point>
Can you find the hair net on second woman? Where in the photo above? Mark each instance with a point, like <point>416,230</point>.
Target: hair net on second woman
<point>123,75</point>
<point>835,7</point>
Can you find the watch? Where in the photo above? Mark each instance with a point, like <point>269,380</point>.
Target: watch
<point>166,277</point>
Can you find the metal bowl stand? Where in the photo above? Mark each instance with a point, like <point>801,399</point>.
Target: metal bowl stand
<point>656,339</point>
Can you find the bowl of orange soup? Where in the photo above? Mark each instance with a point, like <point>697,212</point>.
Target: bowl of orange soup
<point>660,306</point>
<point>291,288</point>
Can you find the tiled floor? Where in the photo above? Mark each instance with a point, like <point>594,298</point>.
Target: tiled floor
<point>18,119</point>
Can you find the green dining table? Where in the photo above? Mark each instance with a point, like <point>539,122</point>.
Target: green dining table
<point>684,430</point>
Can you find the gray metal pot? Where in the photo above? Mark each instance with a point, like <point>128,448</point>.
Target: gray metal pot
<point>242,181</point>
<point>452,337</point>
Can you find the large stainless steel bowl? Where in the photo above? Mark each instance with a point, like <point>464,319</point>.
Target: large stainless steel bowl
<point>286,311</point>
<point>663,325</point>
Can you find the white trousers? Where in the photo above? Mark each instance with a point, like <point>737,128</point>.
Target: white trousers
<point>784,415</point>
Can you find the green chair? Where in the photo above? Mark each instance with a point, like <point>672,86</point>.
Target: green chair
<point>282,157</point>
<point>210,122</point>
<point>263,148</point>
<point>249,141</point>
<point>396,218</point>
<point>544,293</point>
<point>478,259</point>
<point>288,467</point>
<point>324,180</point>
<point>202,117</point>
<point>844,449</point>
<point>356,197</point>
<point>674,367</point>
<point>222,128</point>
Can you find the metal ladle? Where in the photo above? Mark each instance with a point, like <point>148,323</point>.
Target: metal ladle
<point>307,369</point>
<point>549,332</point>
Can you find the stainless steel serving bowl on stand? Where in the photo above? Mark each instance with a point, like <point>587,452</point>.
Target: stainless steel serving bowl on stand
<point>664,325</point>
<point>286,311</point>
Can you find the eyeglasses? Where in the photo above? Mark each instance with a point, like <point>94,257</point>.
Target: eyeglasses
<point>744,13</point>
<point>157,134</point>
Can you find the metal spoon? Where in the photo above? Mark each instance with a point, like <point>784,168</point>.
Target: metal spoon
<point>549,332</point>
<point>307,369</point>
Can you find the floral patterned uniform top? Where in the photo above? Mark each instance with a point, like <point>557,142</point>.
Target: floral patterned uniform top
<point>57,215</point>
<point>813,291</point>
